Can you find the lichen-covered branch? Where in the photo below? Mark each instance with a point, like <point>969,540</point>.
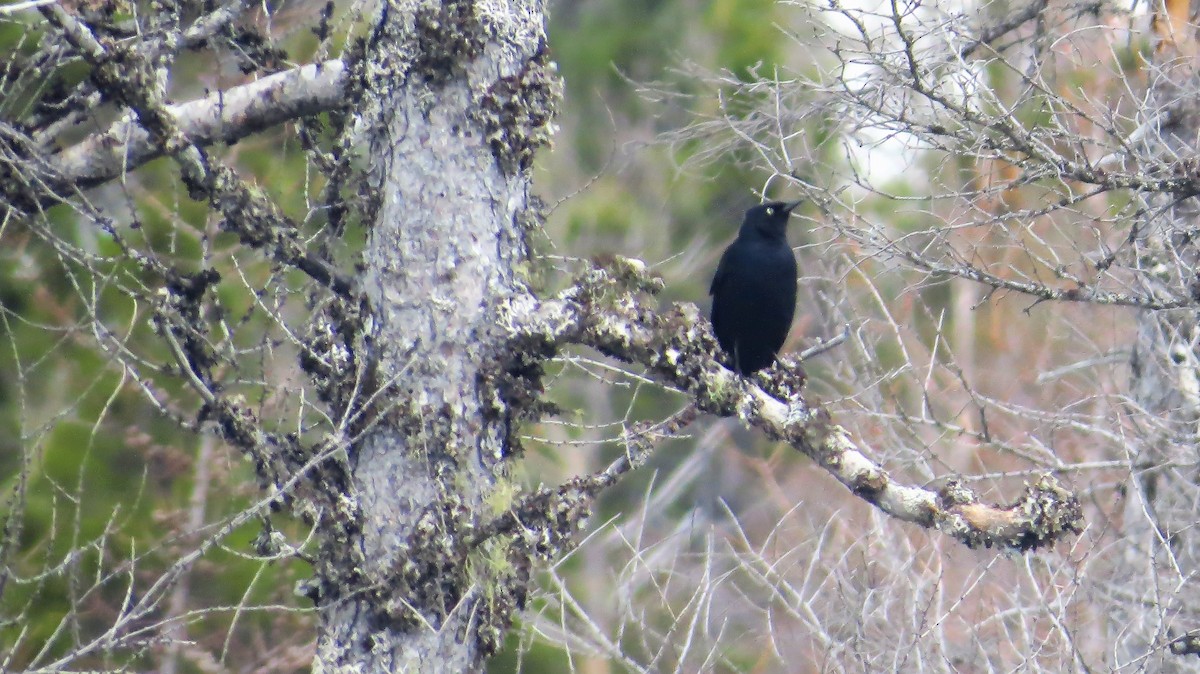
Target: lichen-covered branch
<point>1188,644</point>
<point>611,310</point>
<point>220,117</point>
<point>552,514</point>
<point>127,77</point>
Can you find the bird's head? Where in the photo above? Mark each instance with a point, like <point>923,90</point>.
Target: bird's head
<point>769,219</point>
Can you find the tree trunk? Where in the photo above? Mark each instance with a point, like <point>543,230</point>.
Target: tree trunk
<point>459,95</point>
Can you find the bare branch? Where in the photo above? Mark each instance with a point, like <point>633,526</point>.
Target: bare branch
<point>994,32</point>
<point>220,117</point>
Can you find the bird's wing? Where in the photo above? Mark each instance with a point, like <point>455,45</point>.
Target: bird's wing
<point>719,277</point>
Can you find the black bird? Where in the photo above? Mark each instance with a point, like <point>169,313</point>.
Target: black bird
<point>754,289</point>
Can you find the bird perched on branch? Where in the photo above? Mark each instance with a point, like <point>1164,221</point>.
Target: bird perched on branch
<point>754,289</point>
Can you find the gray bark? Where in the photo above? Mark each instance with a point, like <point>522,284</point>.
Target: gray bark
<point>452,90</point>
<point>225,116</point>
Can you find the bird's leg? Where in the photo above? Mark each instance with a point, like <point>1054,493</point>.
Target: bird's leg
<point>783,380</point>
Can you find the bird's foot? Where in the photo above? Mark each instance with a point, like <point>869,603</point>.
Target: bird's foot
<point>784,379</point>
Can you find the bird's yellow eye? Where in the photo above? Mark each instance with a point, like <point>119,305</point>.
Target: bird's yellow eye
<point>770,211</point>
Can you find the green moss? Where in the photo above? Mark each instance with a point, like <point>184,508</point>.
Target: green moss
<point>502,496</point>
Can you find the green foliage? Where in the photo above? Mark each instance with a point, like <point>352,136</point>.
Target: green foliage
<point>100,473</point>
<point>745,33</point>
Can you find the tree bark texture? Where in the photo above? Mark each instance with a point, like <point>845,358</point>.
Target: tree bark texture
<point>458,96</point>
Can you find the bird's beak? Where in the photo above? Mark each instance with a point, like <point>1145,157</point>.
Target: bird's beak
<point>787,208</point>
